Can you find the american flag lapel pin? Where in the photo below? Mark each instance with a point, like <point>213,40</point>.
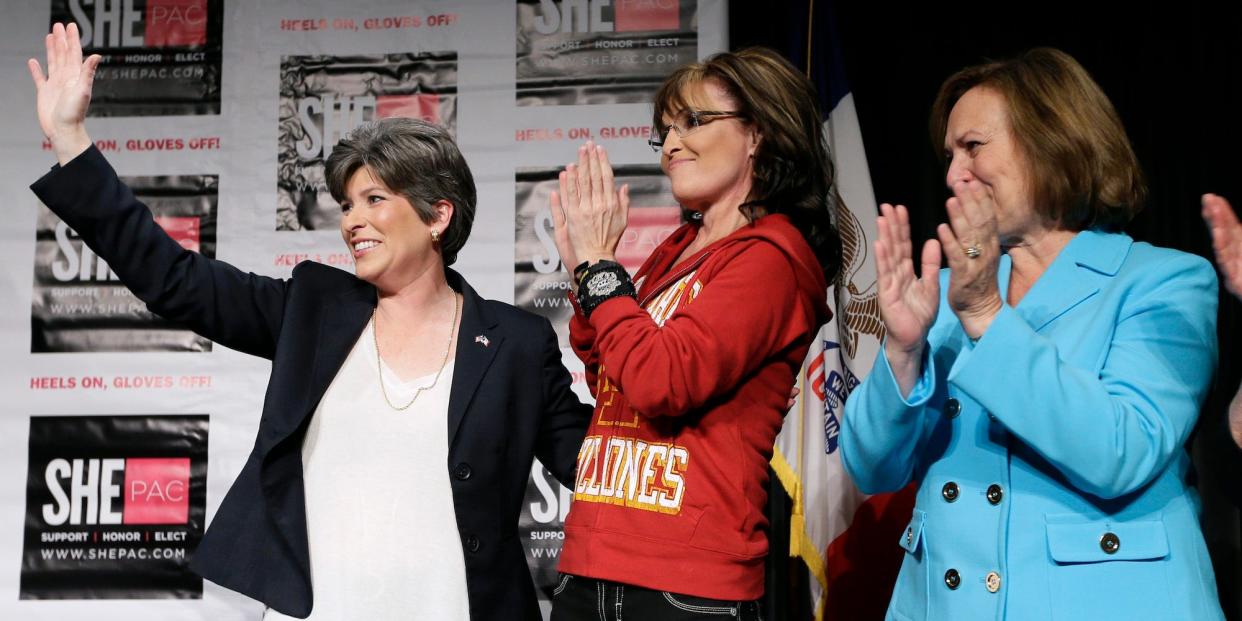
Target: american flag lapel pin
<point>482,339</point>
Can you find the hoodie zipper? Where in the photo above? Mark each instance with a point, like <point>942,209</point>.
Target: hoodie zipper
<point>673,277</point>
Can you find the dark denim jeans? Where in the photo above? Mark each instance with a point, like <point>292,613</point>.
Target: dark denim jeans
<point>579,599</point>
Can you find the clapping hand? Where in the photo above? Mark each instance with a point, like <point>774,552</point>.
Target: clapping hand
<point>588,213</point>
<point>63,97</point>
<point>972,247</point>
<point>908,304</point>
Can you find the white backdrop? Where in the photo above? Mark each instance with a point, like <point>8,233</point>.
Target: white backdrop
<point>500,130</point>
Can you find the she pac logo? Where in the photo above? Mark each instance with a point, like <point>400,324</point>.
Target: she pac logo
<point>160,57</point>
<point>87,491</point>
<point>323,98</point>
<point>590,15</point>
<point>154,23</point>
<point>576,52</point>
<point>77,303</point>
<point>114,506</point>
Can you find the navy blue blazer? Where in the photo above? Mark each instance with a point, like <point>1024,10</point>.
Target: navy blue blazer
<point>510,399</point>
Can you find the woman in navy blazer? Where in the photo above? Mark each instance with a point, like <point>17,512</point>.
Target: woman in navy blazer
<point>1039,390</point>
<point>509,400</point>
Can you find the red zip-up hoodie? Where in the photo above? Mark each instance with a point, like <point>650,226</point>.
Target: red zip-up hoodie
<point>691,383</point>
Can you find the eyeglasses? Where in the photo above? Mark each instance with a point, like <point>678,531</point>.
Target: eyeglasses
<point>687,122</point>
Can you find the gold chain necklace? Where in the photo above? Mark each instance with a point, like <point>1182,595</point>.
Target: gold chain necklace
<point>379,364</point>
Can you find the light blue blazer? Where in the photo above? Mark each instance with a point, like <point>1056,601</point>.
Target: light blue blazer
<point>1049,454</point>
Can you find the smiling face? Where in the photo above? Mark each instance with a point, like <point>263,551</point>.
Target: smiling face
<point>979,144</point>
<point>390,243</point>
<point>712,164</point>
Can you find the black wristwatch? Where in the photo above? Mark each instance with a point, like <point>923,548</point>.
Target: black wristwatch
<point>601,282</point>
<point>580,272</point>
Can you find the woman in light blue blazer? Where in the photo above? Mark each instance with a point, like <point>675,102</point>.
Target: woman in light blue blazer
<point>1039,390</point>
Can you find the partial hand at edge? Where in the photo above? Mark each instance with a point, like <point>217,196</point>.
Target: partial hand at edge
<point>1226,240</point>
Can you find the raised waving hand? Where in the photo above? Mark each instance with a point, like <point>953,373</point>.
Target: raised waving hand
<point>64,94</point>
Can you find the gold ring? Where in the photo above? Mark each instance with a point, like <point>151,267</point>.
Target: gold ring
<point>973,251</point>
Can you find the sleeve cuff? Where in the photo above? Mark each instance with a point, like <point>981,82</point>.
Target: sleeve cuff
<point>922,390</point>
<point>573,301</point>
<point>52,187</point>
<point>980,362</point>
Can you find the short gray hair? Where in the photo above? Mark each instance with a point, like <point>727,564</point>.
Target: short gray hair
<point>417,160</point>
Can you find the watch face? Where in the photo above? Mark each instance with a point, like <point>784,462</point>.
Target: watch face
<point>603,283</point>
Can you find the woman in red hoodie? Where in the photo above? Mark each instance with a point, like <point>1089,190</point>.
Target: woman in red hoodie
<point>691,361</point>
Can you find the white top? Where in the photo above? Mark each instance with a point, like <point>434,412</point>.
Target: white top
<point>383,538</point>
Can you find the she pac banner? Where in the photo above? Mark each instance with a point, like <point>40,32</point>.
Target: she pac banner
<point>220,113</point>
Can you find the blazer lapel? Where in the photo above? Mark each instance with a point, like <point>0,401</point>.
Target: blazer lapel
<point>342,323</point>
<point>478,340</point>
<point>1075,275</point>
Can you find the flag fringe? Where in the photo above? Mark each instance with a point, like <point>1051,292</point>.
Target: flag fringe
<point>800,543</point>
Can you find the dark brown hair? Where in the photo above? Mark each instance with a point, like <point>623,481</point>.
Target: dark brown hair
<point>417,160</point>
<point>1082,169</point>
<point>793,173</point>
